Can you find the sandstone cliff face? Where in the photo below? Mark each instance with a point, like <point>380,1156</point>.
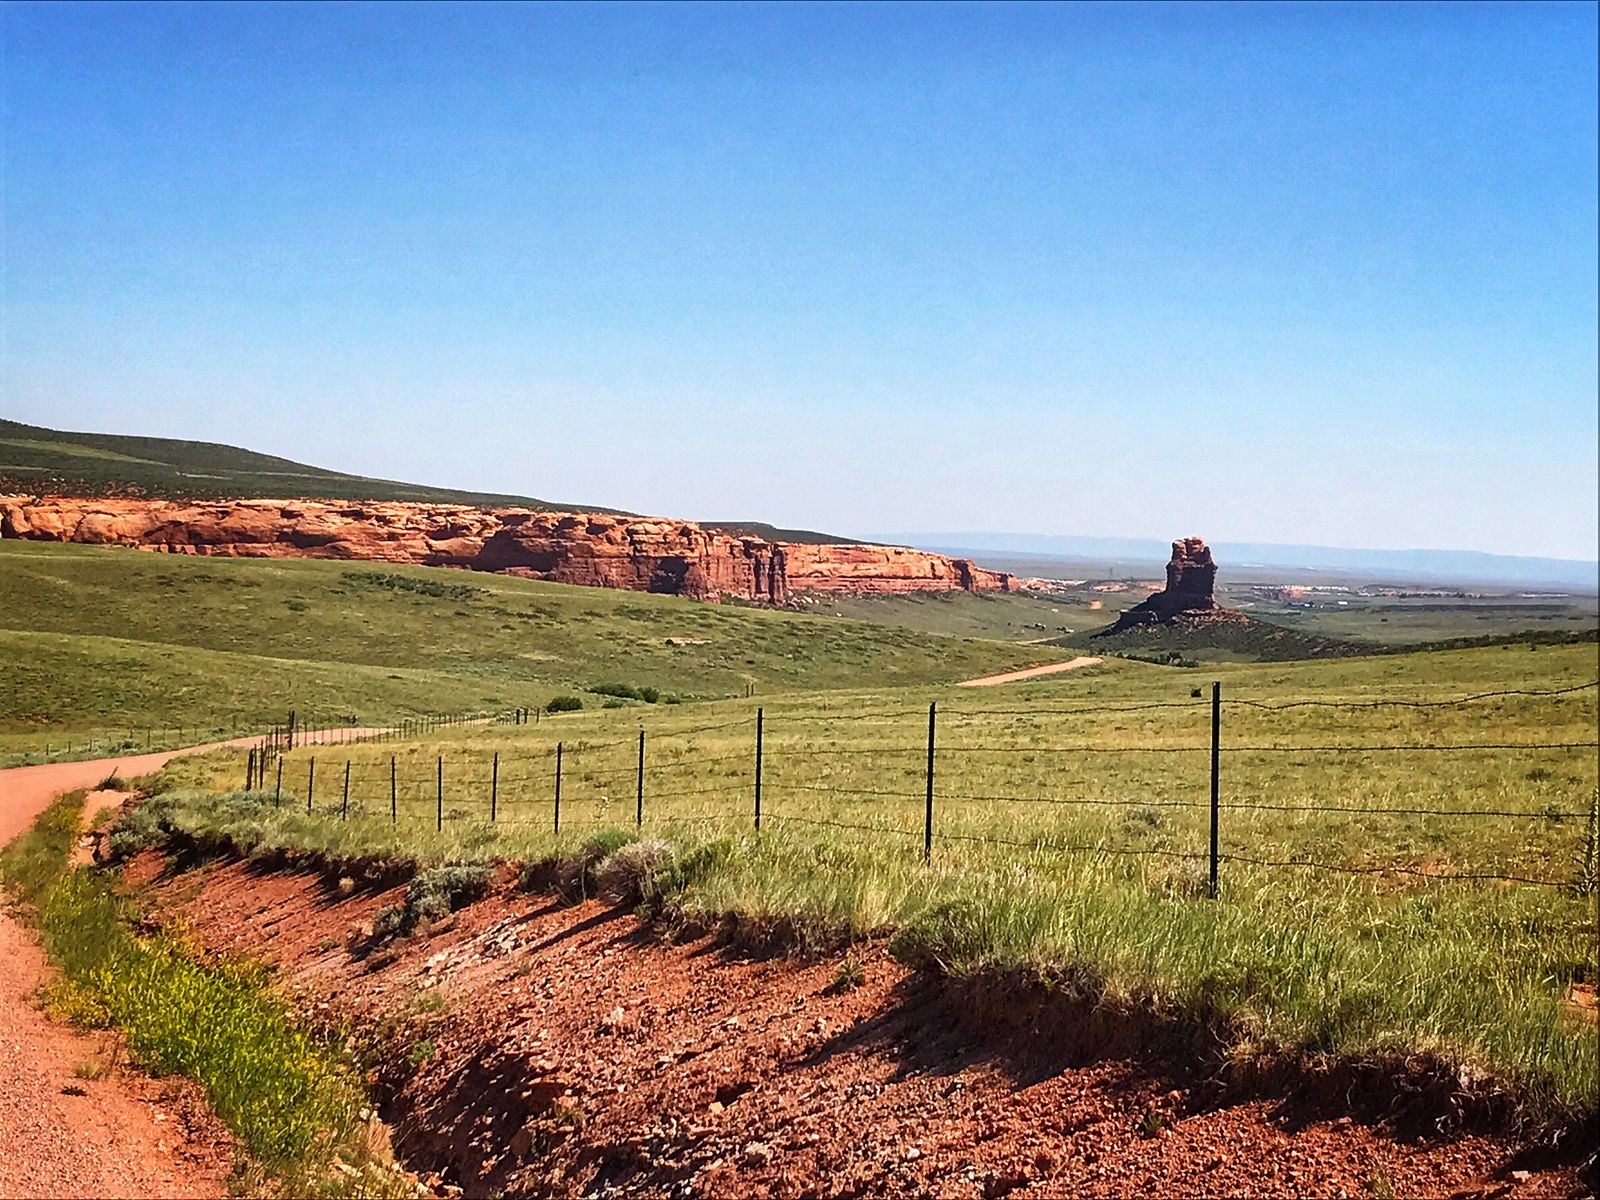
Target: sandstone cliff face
<point>640,554</point>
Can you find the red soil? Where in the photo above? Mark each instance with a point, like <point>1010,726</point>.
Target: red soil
<point>118,1135</point>
<point>575,1053</point>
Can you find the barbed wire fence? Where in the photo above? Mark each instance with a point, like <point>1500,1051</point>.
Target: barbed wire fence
<point>476,789</point>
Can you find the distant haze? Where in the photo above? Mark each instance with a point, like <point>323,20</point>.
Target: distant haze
<point>1431,566</point>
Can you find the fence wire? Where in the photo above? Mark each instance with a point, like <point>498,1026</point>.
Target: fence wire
<point>498,786</point>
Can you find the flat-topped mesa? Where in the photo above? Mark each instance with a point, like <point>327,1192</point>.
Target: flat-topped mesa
<point>1188,597</point>
<point>643,554</point>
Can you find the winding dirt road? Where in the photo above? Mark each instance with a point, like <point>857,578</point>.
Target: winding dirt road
<point>25,792</point>
<point>1072,664</point>
<point>115,1133</point>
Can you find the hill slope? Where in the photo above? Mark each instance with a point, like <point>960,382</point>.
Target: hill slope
<point>108,464</point>
<point>257,636</point>
<point>35,459</point>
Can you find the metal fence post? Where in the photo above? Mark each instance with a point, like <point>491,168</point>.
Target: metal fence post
<point>393,806</point>
<point>277,791</point>
<point>249,770</point>
<point>311,782</point>
<point>494,789</point>
<point>927,823</point>
<point>558,787</point>
<point>638,814</point>
<point>1216,752</point>
<point>759,721</point>
<point>439,797</point>
<point>344,807</point>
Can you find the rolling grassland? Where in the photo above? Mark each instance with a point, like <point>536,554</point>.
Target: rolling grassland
<point>117,644</point>
<point>1407,843</point>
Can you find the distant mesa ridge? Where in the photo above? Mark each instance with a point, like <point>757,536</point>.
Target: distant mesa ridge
<point>644,554</point>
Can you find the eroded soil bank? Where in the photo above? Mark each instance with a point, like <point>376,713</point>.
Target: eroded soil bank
<point>529,1048</point>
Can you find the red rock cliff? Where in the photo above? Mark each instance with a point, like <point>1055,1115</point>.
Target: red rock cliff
<point>643,554</point>
<point>1188,597</point>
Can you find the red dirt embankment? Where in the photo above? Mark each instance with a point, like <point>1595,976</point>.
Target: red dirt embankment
<point>642,554</point>
<point>568,1051</point>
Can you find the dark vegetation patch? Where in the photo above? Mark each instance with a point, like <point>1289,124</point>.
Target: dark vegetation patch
<point>435,588</point>
<point>1250,640</point>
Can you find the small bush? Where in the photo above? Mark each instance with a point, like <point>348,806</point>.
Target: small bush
<point>439,892</point>
<point>389,920</point>
<point>563,704</point>
<point>113,783</point>
<point>848,976</point>
<point>575,876</point>
<point>629,875</point>
<point>141,827</point>
<point>627,691</point>
<point>950,938</point>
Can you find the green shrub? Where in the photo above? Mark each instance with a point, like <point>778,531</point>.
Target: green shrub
<point>389,921</point>
<point>575,876</point>
<point>629,875</point>
<point>848,976</point>
<point>439,892</point>
<point>949,938</point>
<point>693,867</point>
<point>563,704</point>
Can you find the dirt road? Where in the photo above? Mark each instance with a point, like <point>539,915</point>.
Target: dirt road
<point>118,1134</point>
<point>25,792</point>
<point>1030,672</point>
<point>63,1135</point>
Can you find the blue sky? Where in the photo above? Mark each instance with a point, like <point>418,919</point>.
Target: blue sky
<point>1314,274</point>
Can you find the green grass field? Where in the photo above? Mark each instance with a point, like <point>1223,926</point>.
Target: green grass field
<point>1394,880</point>
<point>108,642</point>
<point>1372,902</point>
<point>93,464</point>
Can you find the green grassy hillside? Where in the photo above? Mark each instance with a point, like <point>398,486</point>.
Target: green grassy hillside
<point>99,638</point>
<point>36,459</point>
<point>33,458</point>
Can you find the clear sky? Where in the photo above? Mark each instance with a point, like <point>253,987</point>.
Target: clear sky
<point>1271,273</point>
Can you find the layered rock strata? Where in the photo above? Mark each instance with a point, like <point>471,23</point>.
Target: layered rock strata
<point>643,554</point>
<point>1188,598</point>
